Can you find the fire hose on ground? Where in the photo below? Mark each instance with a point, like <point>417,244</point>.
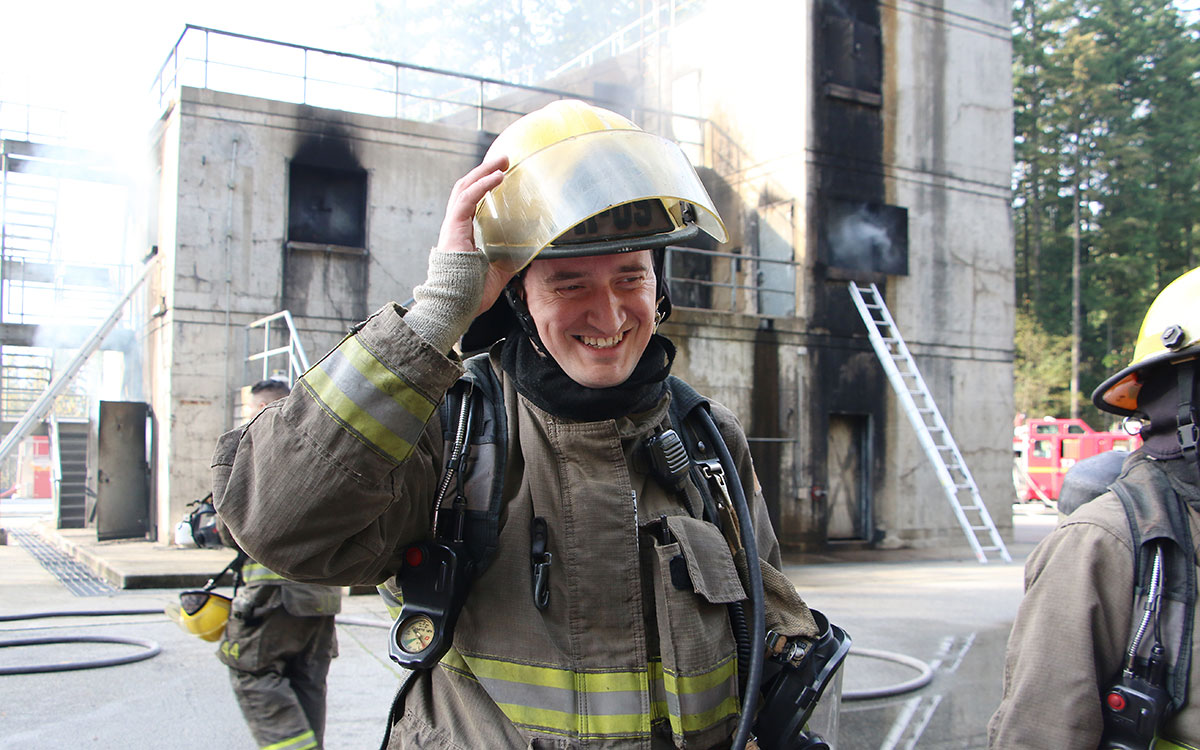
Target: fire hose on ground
<point>150,649</point>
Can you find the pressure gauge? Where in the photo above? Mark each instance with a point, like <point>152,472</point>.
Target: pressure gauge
<point>416,633</point>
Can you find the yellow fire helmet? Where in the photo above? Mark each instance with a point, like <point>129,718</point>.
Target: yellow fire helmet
<point>1170,332</point>
<point>583,180</point>
<point>201,613</point>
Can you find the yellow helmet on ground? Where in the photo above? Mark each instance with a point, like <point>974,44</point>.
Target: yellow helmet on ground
<point>1169,333</point>
<point>583,180</point>
<point>202,613</point>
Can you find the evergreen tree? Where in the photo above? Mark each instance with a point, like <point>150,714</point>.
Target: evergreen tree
<point>1105,117</point>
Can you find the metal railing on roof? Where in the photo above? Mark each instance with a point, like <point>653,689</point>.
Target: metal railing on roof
<point>731,282</point>
<point>239,63</point>
<point>283,71</point>
<point>633,35</point>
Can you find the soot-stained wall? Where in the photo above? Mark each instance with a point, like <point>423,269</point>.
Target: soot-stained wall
<point>230,254</point>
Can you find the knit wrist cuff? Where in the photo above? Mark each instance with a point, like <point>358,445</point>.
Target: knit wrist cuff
<point>446,303</point>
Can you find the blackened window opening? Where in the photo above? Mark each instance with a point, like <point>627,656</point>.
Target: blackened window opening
<point>327,206</point>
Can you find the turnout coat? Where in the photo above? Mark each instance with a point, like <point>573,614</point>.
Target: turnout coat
<point>329,484</point>
<point>1075,624</point>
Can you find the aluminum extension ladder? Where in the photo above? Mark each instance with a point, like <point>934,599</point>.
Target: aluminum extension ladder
<point>932,432</point>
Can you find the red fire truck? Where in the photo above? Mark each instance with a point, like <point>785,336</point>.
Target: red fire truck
<point>1044,449</point>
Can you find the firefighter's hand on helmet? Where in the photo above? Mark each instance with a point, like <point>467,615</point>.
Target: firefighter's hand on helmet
<point>460,283</point>
<point>458,228</point>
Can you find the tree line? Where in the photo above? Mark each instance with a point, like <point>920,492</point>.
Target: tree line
<point>1105,186</point>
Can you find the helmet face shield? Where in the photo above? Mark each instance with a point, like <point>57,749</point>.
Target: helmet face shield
<point>202,613</point>
<point>597,181</point>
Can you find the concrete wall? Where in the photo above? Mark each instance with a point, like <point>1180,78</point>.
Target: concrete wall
<point>945,122</point>
<point>948,149</point>
<point>225,162</point>
<point>943,154</point>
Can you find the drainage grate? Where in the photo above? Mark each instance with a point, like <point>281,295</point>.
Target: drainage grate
<point>79,580</point>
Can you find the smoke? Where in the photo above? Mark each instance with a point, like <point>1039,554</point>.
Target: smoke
<point>860,239</point>
<point>74,242</point>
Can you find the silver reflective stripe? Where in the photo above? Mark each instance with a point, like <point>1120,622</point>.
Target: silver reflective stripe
<point>562,701</point>
<point>383,405</point>
<point>369,400</point>
<point>695,703</point>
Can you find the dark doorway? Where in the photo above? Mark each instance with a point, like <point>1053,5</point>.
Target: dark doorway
<point>847,465</point>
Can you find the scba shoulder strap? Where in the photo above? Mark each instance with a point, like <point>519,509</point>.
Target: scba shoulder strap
<point>487,442</point>
<point>1158,518</point>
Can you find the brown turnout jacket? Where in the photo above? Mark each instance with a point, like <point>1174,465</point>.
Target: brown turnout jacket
<point>329,486</point>
<point>1074,626</point>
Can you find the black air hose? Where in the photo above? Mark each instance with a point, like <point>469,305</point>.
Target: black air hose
<point>758,622</point>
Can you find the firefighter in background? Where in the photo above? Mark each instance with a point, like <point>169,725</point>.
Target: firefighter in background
<point>629,643</point>
<point>279,641</point>
<point>1093,660</point>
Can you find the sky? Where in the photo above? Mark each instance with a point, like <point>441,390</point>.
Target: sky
<point>101,58</point>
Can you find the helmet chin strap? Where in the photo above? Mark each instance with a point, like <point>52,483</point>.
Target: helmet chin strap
<point>516,300</point>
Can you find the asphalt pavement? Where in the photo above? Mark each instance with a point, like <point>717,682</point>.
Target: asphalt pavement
<point>941,609</point>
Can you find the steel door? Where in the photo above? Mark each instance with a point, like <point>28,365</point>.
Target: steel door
<point>123,471</point>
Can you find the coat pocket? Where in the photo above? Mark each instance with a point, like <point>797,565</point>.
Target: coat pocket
<point>244,645</point>
<point>694,581</point>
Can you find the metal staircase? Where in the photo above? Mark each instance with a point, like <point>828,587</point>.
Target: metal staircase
<point>932,432</point>
<point>70,441</point>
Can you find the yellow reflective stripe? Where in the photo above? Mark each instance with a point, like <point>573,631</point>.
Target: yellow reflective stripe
<point>590,726</point>
<point>658,693</point>
<point>591,682</point>
<point>392,601</point>
<point>369,400</point>
<point>547,698</point>
<point>1164,744</point>
<point>618,704</point>
<point>257,572</point>
<point>385,380</point>
<point>305,741</point>
<point>697,702</point>
<point>360,424</point>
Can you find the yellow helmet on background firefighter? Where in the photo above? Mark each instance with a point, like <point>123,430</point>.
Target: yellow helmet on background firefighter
<point>1170,332</point>
<point>583,180</point>
<point>202,613</point>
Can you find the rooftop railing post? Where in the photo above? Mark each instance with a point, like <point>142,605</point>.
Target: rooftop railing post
<point>205,63</point>
<point>479,113</point>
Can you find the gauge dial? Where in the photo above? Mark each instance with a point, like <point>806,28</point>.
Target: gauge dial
<point>416,633</point>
